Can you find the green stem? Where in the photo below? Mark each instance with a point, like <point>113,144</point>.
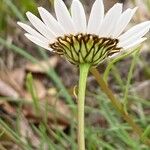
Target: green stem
<point>84,69</point>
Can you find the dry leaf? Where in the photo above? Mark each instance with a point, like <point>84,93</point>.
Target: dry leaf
<point>142,89</point>
<point>7,108</point>
<point>40,90</point>
<point>59,105</point>
<point>58,113</point>
<point>18,75</point>
<point>36,68</point>
<point>8,78</point>
<point>7,90</point>
<point>27,133</point>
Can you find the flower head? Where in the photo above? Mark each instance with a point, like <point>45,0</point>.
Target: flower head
<point>71,36</point>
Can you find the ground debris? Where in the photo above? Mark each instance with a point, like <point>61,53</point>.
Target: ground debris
<point>43,66</point>
<point>142,89</point>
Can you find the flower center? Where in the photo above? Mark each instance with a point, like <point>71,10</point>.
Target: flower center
<point>85,48</point>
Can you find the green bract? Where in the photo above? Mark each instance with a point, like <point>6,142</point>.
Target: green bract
<point>85,48</point>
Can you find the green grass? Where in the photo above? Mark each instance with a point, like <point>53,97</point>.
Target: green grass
<point>117,134</point>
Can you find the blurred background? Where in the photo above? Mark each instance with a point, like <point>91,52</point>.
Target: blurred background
<point>37,96</point>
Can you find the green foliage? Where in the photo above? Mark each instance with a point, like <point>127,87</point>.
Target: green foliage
<point>15,9</point>
<point>31,88</point>
<point>147,2</point>
<point>26,5</point>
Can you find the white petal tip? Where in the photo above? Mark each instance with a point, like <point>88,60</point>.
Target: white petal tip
<point>40,8</point>
<point>19,23</point>
<point>22,25</point>
<point>28,13</point>
<point>135,8</point>
<point>75,1</point>
<point>118,4</point>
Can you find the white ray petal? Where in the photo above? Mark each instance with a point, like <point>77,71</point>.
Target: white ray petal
<point>129,48</point>
<point>110,20</point>
<point>31,31</point>
<point>134,30</point>
<point>51,22</point>
<point>96,17</point>
<point>78,16</point>
<point>40,26</point>
<point>134,44</point>
<point>63,16</point>
<point>123,21</point>
<point>135,37</point>
<point>38,41</point>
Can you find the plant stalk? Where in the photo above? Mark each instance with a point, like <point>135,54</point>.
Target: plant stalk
<point>84,70</point>
<point>118,105</point>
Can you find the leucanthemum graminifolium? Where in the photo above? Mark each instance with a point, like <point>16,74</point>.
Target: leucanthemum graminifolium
<point>81,41</point>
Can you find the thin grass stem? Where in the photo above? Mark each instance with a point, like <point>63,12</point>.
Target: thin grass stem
<point>118,105</point>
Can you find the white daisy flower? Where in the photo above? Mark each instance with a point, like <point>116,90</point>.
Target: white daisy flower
<point>82,41</point>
